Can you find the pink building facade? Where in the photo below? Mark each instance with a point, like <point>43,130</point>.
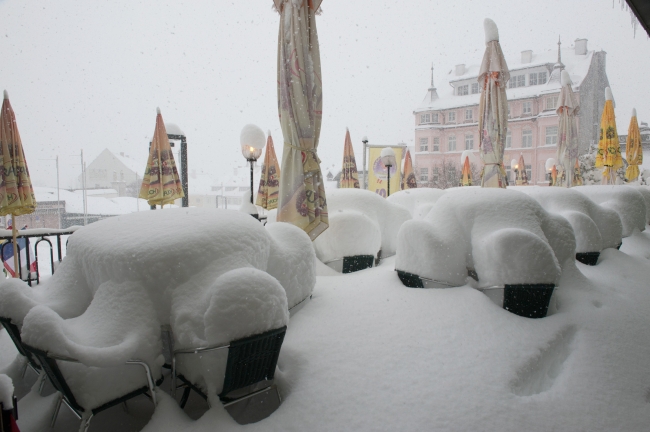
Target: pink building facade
<point>446,122</point>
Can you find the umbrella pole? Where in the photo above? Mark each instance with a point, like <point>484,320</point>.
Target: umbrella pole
<point>14,232</point>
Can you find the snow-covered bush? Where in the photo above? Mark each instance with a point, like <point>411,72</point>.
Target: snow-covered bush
<point>417,201</point>
<point>626,201</point>
<point>350,233</point>
<point>595,227</point>
<point>503,235</point>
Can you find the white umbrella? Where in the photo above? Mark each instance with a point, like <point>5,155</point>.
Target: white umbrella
<point>567,145</point>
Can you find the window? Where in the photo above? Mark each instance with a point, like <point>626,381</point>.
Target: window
<point>462,90</point>
<point>243,188</point>
<point>551,102</point>
<point>527,107</point>
<point>469,114</point>
<point>474,88</point>
<point>532,79</point>
<point>469,142</point>
<point>424,144</point>
<point>529,172</point>
<point>435,174</point>
<point>451,143</point>
<point>452,116</point>
<point>541,78</point>
<point>424,118</point>
<point>434,117</point>
<point>551,135</point>
<point>508,111</point>
<point>436,144</point>
<point>230,188</point>
<point>121,175</point>
<point>517,81</point>
<point>114,175</point>
<point>509,139</point>
<point>424,174</point>
<point>527,138</point>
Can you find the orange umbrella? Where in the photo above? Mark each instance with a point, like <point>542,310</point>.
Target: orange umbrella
<point>554,176</point>
<point>523,175</point>
<point>349,175</point>
<point>160,184</point>
<point>16,192</point>
<point>633,149</point>
<point>466,176</point>
<point>577,177</point>
<point>609,147</point>
<point>408,180</point>
<point>267,194</point>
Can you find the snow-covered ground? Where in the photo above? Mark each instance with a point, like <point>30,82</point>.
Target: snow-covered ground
<point>367,353</point>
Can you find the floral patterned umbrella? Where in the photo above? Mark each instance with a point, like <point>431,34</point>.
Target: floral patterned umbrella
<point>493,109</point>
<point>609,147</point>
<point>349,174</point>
<point>160,184</point>
<point>408,179</point>
<point>302,199</point>
<point>16,192</point>
<point>267,194</point>
<point>567,145</point>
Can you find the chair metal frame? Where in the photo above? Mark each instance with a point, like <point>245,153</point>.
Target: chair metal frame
<point>49,365</point>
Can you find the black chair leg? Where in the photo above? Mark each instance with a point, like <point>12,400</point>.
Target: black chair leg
<point>185,396</point>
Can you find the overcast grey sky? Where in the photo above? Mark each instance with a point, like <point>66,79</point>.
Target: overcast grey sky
<point>90,74</point>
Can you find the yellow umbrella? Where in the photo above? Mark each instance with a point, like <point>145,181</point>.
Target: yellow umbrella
<point>633,149</point>
<point>160,184</point>
<point>302,199</point>
<point>466,175</point>
<point>408,180</point>
<point>609,147</point>
<point>349,175</point>
<point>16,192</point>
<point>523,175</point>
<point>267,194</point>
<point>493,109</point>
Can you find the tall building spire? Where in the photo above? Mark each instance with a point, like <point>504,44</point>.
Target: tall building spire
<point>433,94</point>
<point>559,54</point>
<point>432,86</point>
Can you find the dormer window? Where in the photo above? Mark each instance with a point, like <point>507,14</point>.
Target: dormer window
<point>462,90</point>
<point>517,81</point>
<point>425,118</point>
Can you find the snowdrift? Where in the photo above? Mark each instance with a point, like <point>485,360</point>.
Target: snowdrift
<point>628,202</point>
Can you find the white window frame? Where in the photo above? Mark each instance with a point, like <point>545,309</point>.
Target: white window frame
<point>532,79</point>
<point>551,135</point>
<point>542,78</point>
<point>424,144</point>
<point>451,140</point>
<point>509,139</point>
<point>469,141</point>
<point>436,173</point>
<point>436,144</point>
<point>462,90</point>
<point>551,102</point>
<point>527,143</point>
<point>425,118</point>
<point>469,114</point>
<point>424,174</point>
<point>451,116</point>
<point>529,172</point>
<point>434,118</point>
<point>475,88</point>
<point>527,107</point>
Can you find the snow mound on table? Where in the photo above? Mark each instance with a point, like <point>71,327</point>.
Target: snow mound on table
<point>239,303</point>
<point>292,261</point>
<point>417,201</point>
<point>162,250</point>
<point>6,392</point>
<point>388,216</point>
<point>120,324</point>
<point>64,292</point>
<point>350,233</point>
<point>504,235</point>
<point>626,201</point>
<point>595,227</point>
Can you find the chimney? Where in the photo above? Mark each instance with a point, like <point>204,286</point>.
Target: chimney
<point>526,56</point>
<point>460,69</point>
<point>581,46</point>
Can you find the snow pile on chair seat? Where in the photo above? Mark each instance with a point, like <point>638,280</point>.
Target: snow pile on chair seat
<point>213,312</point>
<point>504,235</point>
<point>645,191</point>
<point>417,201</point>
<point>350,233</point>
<point>626,201</point>
<point>595,227</point>
<point>120,324</point>
<point>388,216</point>
<point>6,392</point>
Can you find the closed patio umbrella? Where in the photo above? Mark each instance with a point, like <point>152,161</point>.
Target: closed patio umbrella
<point>493,109</point>
<point>302,199</point>
<point>408,180</point>
<point>633,149</point>
<point>267,194</point>
<point>609,148</point>
<point>577,176</point>
<point>16,192</point>
<point>567,145</point>
<point>523,174</point>
<point>466,174</point>
<point>349,174</point>
<point>161,184</point>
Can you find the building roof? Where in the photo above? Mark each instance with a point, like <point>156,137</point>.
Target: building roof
<point>96,205</point>
<point>576,65</point>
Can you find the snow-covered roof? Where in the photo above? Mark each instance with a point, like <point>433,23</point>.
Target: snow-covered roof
<point>135,165</point>
<point>96,205</point>
<point>576,65</point>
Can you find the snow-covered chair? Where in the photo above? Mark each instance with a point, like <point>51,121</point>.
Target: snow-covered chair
<point>90,359</point>
<point>8,405</point>
<point>503,239</point>
<point>417,201</point>
<point>227,338</point>
<point>645,191</point>
<point>595,227</point>
<point>624,200</point>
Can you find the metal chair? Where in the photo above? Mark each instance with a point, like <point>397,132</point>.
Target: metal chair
<point>49,363</point>
<point>251,364</point>
<point>14,334</point>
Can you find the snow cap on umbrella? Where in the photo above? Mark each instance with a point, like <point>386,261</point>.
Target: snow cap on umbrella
<point>491,30</point>
<point>609,96</point>
<point>633,112</point>
<point>6,95</point>
<point>566,79</point>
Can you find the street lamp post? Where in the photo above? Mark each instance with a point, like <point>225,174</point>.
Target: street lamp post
<point>550,163</point>
<point>364,140</point>
<point>388,159</point>
<point>252,141</point>
<point>515,171</point>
